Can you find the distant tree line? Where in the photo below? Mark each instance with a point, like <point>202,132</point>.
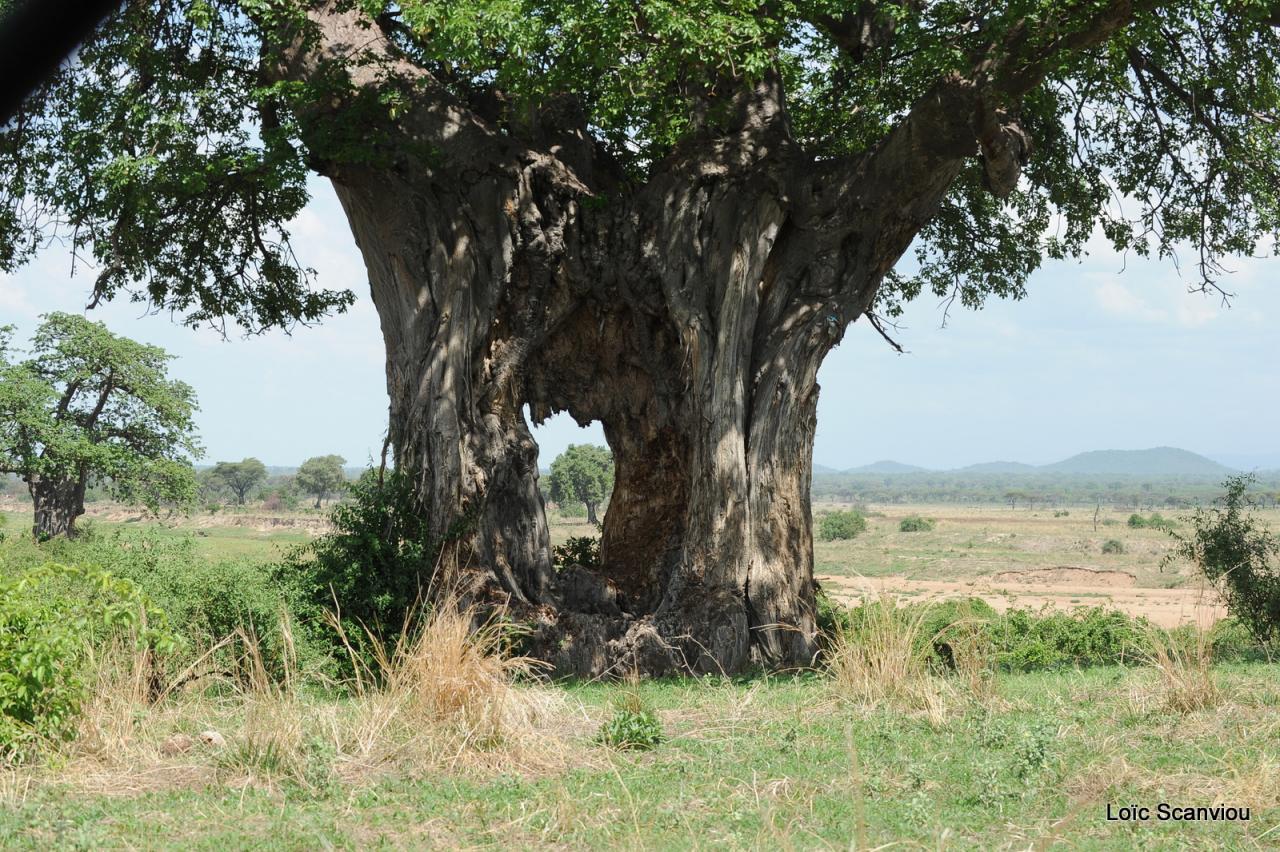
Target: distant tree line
<point>249,480</point>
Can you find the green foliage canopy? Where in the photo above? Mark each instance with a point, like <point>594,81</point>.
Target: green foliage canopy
<point>1240,556</point>
<point>583,473</point>
<point>321,476</point>
<point>241,477</point>
<point>174,150</point>
<point>90,405</point>
<point>52,618</point>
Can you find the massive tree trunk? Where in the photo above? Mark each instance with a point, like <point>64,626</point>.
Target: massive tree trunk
<point>57,505</point>
<point>689,315</point>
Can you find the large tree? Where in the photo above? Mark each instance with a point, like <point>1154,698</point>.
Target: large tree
<point>89,406</point>
<point>660,216</point>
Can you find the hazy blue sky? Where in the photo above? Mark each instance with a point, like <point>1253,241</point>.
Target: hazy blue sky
<point>1100,355</point>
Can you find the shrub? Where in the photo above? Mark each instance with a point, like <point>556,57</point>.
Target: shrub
<point>883,656</point>
<point>915,523</point>
<point>1240,556</point>
<point>1017,640</point>
<point>581,550</point>
<point>831,617</point>
<point>51,619</point>
<point>633,726</point>
<point>377,564</point>
<point>1026,640</point>
<point>840,526</point>
<point>205,601</point>
<point>572,510</point>
<point>1113,545</point>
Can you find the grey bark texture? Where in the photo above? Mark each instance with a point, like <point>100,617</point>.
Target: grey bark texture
<point>57,505</point>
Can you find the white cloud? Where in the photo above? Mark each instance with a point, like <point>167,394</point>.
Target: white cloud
<point>1195,310</point>
<point>1118,300</point>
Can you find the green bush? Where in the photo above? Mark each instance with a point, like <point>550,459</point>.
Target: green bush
<point>633,726</point>
<point>1018,640</point>
<point>205,600</point>
<point>831,618</point>
<point>1113,545</point>
<point>841,526</point>
<point>376,564</point>
<point>1240,556</point>
<point>572,510</point>
<point>581,550</point>
<point>51,617</point>
<point>1026,640</point>
<point>1155,522</point>
<point>915,523</point>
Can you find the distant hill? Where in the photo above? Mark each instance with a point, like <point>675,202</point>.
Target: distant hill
<point>886,466</point>
<point>999,467</point>
<point>1155,462</point>
<point>1158,461</point>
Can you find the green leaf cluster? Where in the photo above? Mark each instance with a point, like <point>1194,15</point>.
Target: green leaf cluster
<point>583,473</point>
<point>842,525</point>
<point>52,618</point>
<point>1240,556</point>
<point>174,149</point>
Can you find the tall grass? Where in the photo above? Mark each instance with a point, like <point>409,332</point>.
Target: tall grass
<point>444,689</point>
<point>882,655</point>
<point>445,694</point>
<point>1184,665</point>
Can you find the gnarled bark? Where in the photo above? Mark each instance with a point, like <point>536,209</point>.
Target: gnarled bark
<point>57,506</point>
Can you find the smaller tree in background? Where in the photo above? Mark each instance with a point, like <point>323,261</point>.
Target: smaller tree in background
<point>241,477</point>
<point>583,473</point>
<point>90,406</point>
<point>322,476</point>
<point>1240,556</point>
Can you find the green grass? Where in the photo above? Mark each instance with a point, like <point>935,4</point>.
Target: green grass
<point>215,542</point>
<point>764,763</point>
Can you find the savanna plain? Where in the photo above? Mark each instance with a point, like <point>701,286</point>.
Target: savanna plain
<point>991,680</point>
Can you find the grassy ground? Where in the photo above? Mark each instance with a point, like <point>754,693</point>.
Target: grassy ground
<point>763,763</point>
<point>975,541</point>
<point>215,538</point>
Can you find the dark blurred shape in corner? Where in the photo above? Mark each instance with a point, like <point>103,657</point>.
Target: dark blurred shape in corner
<point>35,36</point>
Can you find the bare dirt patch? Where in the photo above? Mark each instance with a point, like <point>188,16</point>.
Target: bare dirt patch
<point>1067,575</point>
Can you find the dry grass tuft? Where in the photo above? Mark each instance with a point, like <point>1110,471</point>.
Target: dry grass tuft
<point>884,657</point>
<point>1185,670</point>
<point>445,690</point>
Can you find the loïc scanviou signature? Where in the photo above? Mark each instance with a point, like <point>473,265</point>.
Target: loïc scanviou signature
<point>1165,812</point>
